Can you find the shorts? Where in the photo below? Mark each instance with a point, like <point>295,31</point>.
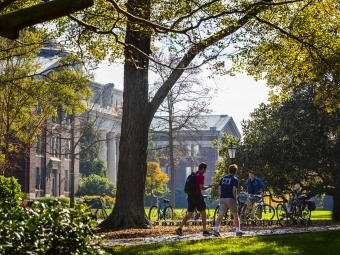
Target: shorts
<point>230,203</point>
<point>196,201</point>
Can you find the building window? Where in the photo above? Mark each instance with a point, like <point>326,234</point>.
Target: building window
<point>67,119</point>
<point>38,178</point>
<point>188,170</point>
<point>56,119</point>
<point>195,149</point>
<point>188,150</point>
<point>68,149</point>
<point>40,147</point>
<point>164,169</point>
<point>55,147</point>
<point>67,181</point>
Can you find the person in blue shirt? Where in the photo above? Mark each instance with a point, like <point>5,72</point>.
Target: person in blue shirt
<point>227,189</point>
<point>254,184</point>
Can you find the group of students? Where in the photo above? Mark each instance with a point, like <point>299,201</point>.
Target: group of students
<point>227,190</point>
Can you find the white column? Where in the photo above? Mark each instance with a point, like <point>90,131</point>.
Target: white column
<point>103,146</point>
<point>111,158</point>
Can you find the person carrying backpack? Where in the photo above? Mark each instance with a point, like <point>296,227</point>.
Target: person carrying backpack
<point>196,200</point>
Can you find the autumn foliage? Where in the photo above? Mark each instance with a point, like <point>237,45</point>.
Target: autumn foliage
<point>155,179</point>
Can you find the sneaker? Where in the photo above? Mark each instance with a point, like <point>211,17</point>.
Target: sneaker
<point>179,232</point>
<point>206,233</point>
<point>239,233</point>
<point>217,234</point>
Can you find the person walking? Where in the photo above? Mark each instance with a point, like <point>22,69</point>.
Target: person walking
<point>254,184</point>
<point>227,189</point>
<point>196,200</point>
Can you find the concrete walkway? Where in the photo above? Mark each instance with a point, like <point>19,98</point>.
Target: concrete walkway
<point>175,238</point>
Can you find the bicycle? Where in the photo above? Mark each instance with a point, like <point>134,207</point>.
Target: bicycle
<point>256,210</point>
<point>297,209</point>
<point>96,205</point>
<point>159,212</point>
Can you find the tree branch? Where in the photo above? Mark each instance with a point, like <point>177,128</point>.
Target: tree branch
<point>5,3</point>
<point>11,23</point>
<point>190,55</point>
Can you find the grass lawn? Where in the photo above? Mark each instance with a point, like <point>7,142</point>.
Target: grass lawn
<point>321,215</point>
<point>320,243</point>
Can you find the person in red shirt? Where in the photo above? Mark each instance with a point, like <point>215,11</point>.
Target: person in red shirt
<point>196,200</point>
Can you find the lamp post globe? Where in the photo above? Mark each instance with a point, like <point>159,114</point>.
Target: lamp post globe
<point>232,152</point>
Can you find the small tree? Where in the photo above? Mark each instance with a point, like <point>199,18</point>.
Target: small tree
<point>89,157</point>
<point>155,180</point>
<point>179,113</point>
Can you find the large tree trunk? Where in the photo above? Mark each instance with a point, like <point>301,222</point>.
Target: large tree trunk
<point>128,211</point>
<point>336,206</point>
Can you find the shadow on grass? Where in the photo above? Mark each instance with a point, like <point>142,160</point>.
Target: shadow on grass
<point>321,243</point>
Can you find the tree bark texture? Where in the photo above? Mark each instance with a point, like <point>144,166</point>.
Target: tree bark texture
<point>128,211</point>
<point>172,161</point>
<point>11,23</point>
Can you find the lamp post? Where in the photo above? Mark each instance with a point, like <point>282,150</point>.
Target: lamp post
<point>232,152</point>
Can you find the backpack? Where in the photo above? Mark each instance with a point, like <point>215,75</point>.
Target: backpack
<point>190,184</point>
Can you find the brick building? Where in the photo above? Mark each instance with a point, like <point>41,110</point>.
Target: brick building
<point>45,170</point>
<point>192,147</point>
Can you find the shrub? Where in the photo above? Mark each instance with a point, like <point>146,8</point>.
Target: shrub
<point>10,190</point>
<point>50,201</point>
<point>41,229</point>
<point>96,185</point>
<point>107,200</point>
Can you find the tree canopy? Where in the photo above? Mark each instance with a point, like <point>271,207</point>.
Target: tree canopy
<point>31,94</point>
<point>300,46</point>
<point>295,142</point>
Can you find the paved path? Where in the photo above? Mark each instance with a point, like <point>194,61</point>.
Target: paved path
<point>174,238</point>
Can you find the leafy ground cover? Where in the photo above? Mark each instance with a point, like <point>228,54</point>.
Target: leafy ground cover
<point>323,243</point>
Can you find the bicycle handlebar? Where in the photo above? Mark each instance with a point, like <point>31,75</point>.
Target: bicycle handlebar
<point>160,196</point>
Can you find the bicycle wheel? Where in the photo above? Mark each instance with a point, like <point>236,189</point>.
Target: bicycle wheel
<point>295,214</point>
<point>104,213</point>
<point>268,212</point>
<point>224,219</point>
<point>305,215</point>
<point>153,213</point>
<point>216,212</point>
<point>283,217</point>
<point>168,213</point>
<point>244,214</point>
